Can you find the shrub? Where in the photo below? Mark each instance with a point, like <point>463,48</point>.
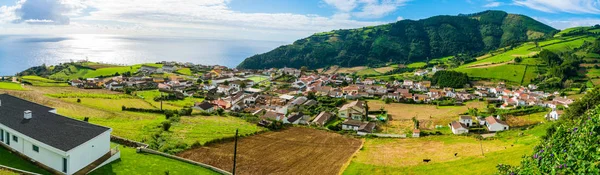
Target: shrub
<point>166,125</point>
<point>78,100</point>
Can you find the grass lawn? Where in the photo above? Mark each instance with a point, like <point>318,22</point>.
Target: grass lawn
<point>257,78</point>
<point>525,50</point>
<point>405,156</point>
<point>14,161</point>
<point>11,86</point>
<point>509,72</point>
<point>417,65</point>
<point>369,71</point>
<point>134,163</point>
<point>6,172</point>
<point>184,71</point>
<point>384,70</point>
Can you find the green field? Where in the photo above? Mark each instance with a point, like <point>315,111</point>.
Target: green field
<point>43,82</point>
<point>10,86</point>
<point>141,163</point>
<point>257,78</point>
<point>523,51</point>
<point>368,71</point>
<point>184,71</point>
<point>14,161</point>
<point>417,65</point>
<point>103,70</point>
<point>506,149</point>
<point>149,96</point>
<point>202,129</point>
<point>89,95</point>
<point>569,44</point>
<point>509,72</point>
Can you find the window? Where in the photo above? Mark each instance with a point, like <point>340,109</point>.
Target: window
<point>15,138</point>
<point>35,148</point>
<point>1,135</point>
<point>64,165</point>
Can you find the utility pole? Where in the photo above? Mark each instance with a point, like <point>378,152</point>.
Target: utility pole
<point>235,151</point>
<point>161,99</point>
<point>481,143</point>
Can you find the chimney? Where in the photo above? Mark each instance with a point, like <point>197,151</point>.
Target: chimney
<point>27,114</point>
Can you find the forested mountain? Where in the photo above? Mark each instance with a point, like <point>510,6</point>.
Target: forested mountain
<point>405,41</point>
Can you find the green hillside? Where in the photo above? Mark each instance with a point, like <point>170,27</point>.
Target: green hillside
<point>574,47</point>
<point>405,41</point>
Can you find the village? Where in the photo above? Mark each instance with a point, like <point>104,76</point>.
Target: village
<point>334,101</point>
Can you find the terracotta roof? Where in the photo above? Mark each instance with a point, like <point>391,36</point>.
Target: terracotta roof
<point>457,125</point>
<point>492,120</point>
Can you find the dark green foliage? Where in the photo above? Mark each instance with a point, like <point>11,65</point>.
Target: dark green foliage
<point>166,125</point>
<point>518,60</point>
<point>404,41</point>
<point>550,57</point>
<point>450,79</point>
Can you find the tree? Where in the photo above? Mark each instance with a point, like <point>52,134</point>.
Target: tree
<point>491,110</point>
<point>226,83</point>
<point>415,122</point>
<point>311,95</point>
<point>388,100</point>
<point>366,109</point>
<point>243,85</point>
<point>518,60</point>
<point>199,81</point>
<point>78,100</point>
<point>451,79</point>
<point>220,111</point>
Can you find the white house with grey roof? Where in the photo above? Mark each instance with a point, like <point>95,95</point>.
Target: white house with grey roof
<point>60,144</point>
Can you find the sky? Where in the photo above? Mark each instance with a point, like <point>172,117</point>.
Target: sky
<point>271,20</point>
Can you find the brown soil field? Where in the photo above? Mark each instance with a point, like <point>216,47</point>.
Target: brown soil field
<point>332,70</point>
<point>291,151</point>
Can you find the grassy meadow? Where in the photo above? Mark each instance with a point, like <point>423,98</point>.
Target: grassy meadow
<point>11,86</point>
<point>10,160</point>
<point>405,156</point>
<point>140,163</point>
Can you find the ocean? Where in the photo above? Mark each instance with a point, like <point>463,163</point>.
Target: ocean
<point>19,52</point>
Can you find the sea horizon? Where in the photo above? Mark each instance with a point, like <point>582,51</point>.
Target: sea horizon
<point>20,52</point>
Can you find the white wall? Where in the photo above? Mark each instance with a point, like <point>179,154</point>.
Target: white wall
<point>47,155</point>
<point>88,152</point>
<point>497,127</point>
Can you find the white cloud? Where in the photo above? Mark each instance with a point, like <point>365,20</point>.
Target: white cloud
<point>570,6</point>
<point>366,8</point>
<point>568,23</point>
<point>492,4</point>
<point>399,18</point>
<point>206,18</point>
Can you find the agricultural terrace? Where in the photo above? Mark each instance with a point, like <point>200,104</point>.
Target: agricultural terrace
<point>291,151</point>
<point>136,163</point>
<point>44,82</point>
<point>11,86</point>
<point>11,160</point>
<point>400,114</point>
<point>405,156</point>
<point>106,111</point>
<point>386,69</point>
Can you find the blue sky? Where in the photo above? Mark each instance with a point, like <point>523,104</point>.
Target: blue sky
<point>279,20</point>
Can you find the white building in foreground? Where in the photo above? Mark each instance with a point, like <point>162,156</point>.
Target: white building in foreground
<point>60,144</point>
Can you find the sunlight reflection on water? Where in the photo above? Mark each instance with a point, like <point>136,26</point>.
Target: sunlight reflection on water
<point>19,52</point>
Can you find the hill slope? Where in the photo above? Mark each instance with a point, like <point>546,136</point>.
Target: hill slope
<point>404,41</point>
